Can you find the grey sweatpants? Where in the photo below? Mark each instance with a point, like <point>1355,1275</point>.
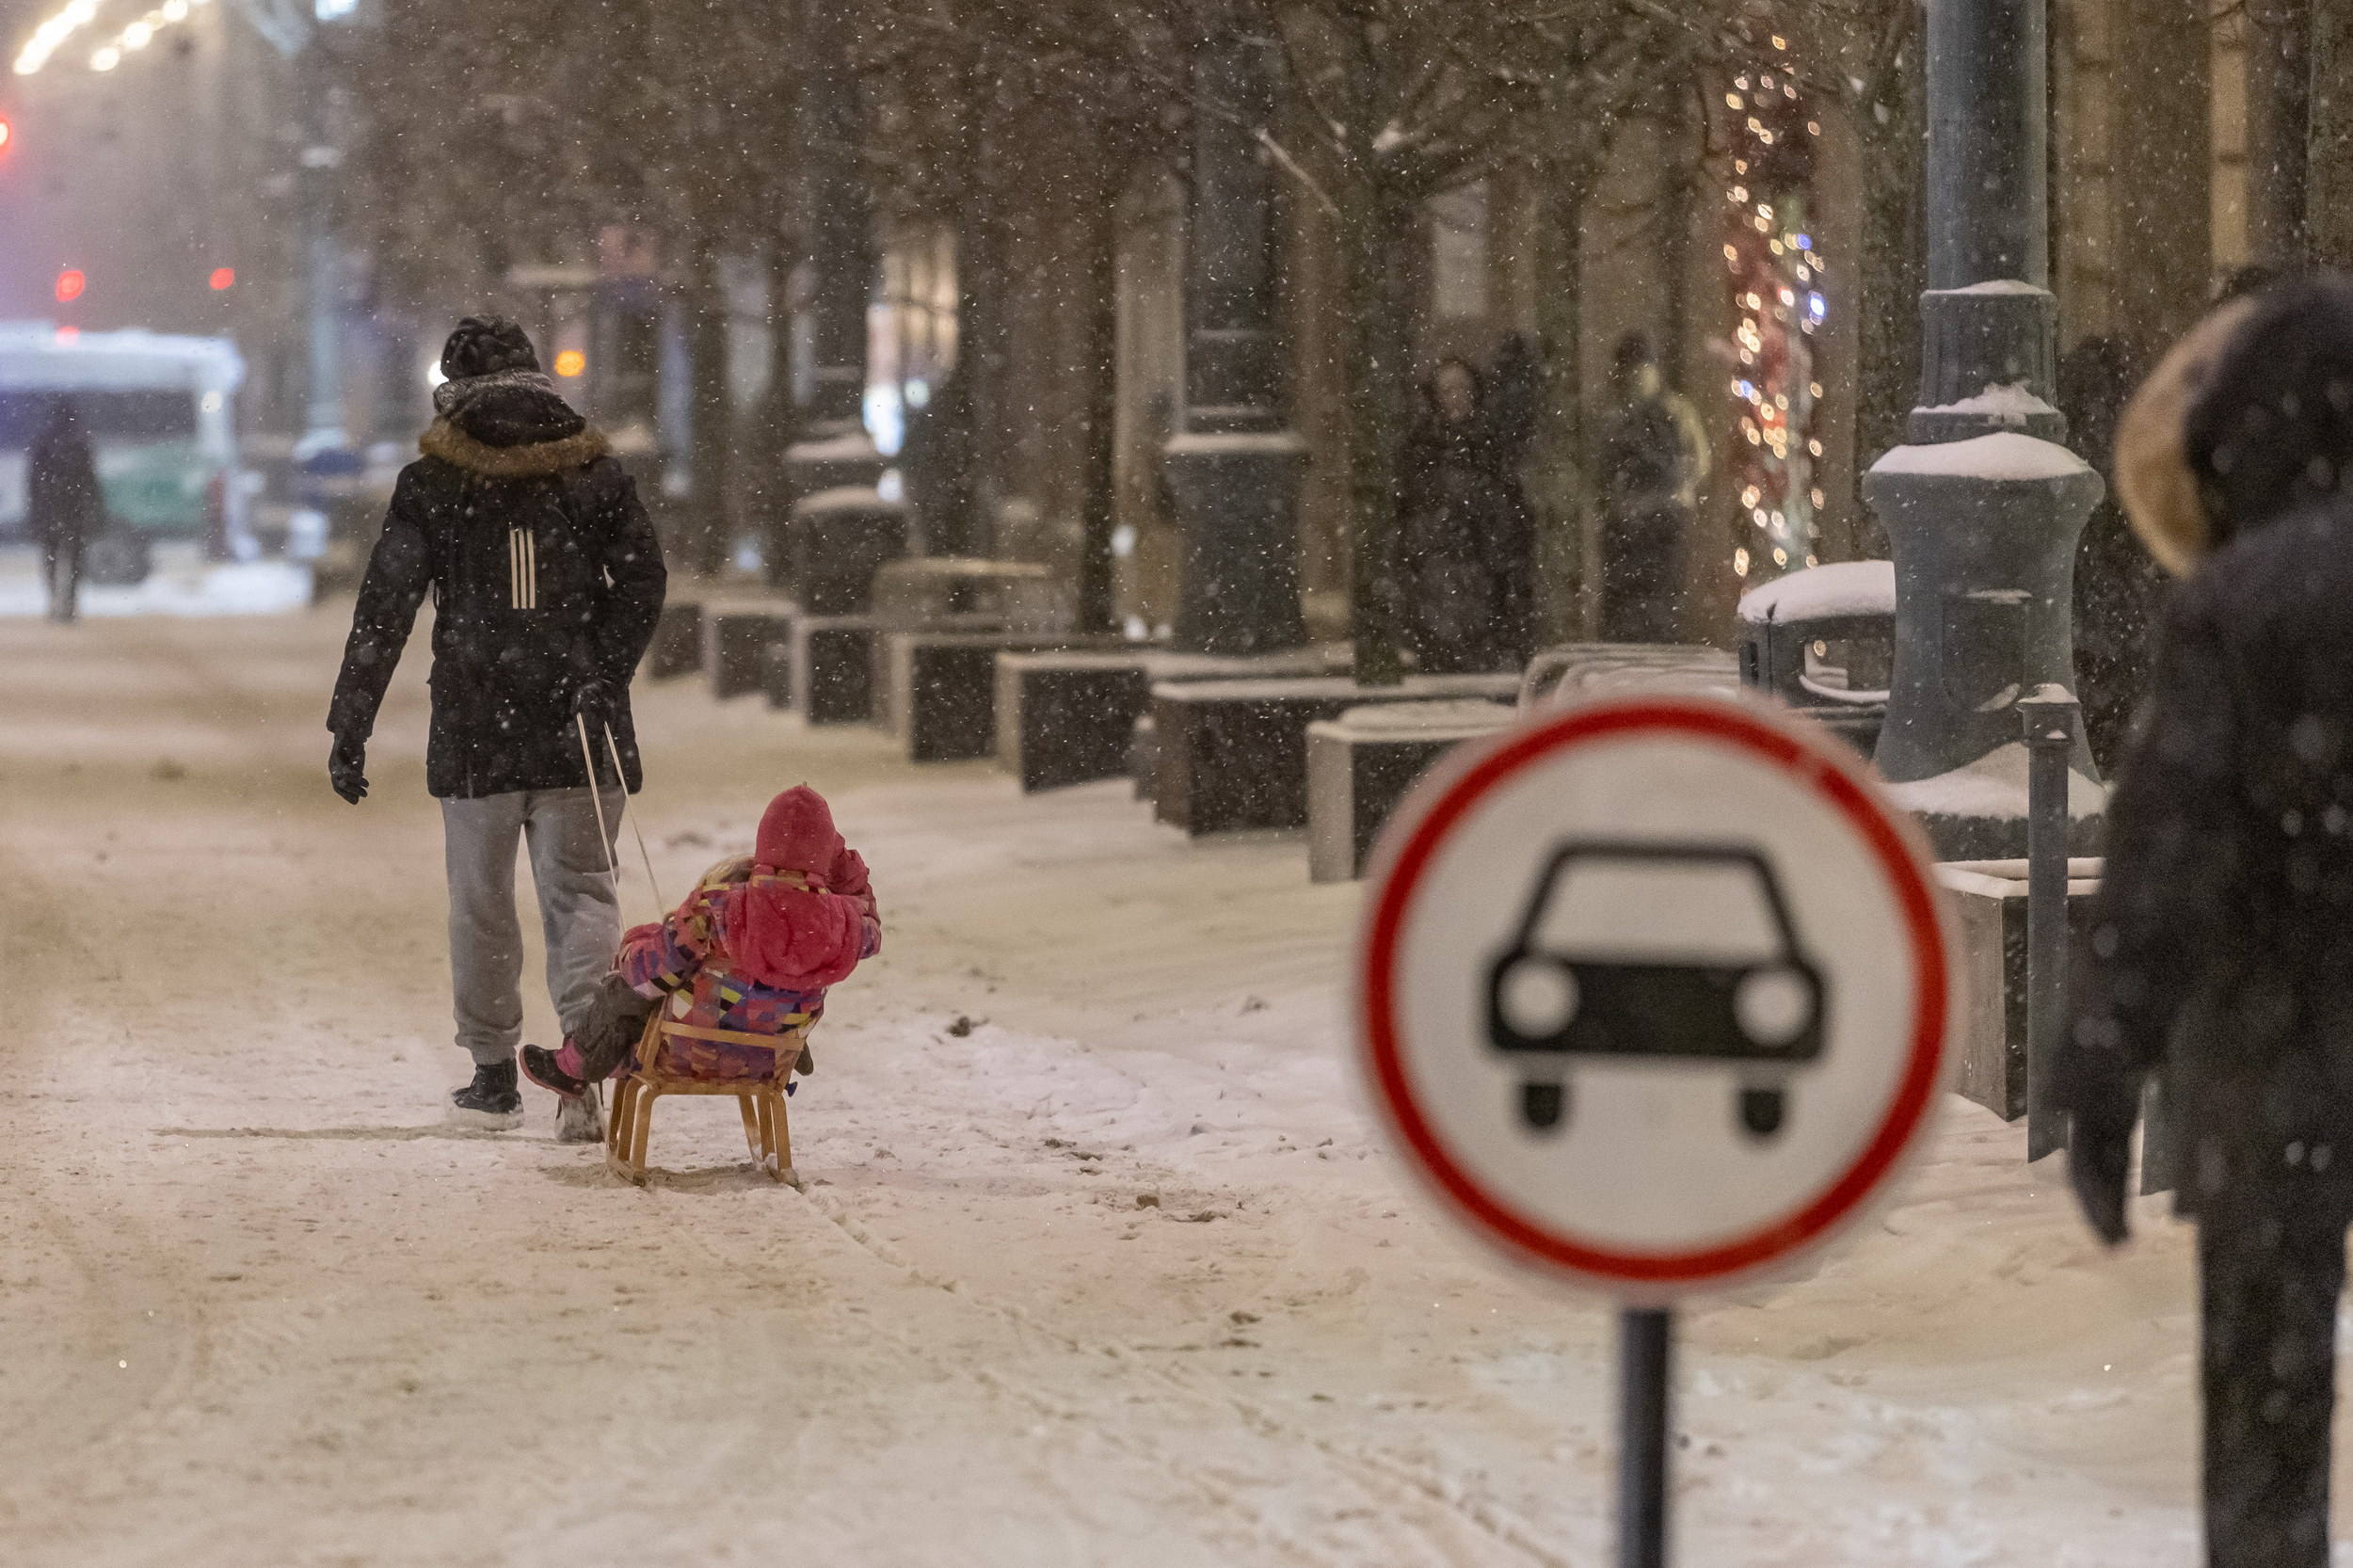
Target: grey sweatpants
<point>578,909</point>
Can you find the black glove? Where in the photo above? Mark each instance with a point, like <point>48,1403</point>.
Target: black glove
<point>597,702</point>
<point>617,1016</point>
<point>346,765</point>
<point>2099,1157</point>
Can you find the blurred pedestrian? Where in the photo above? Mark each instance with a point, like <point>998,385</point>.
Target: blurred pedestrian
<point>2117,586</point>
<point>1654,459</point>
<point>547,581</point>
<point>64,507</point>
<point>2220,952</point>
<point>1466,538</point>
<point>940,460</point>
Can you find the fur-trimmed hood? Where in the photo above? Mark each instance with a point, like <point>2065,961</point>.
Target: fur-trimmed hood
<point>2154,481</point>
<point>445,441</point>
<point>2250,420</point>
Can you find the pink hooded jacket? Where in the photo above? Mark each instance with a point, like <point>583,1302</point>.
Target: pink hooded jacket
<point>755,945</point>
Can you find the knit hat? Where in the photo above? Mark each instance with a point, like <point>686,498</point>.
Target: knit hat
<point>483,345</point>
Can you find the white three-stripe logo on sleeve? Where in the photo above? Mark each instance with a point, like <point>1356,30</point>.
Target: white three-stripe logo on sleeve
<point>523,569</point>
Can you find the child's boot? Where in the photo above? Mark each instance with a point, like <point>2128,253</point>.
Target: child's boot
<point>580,1118</point>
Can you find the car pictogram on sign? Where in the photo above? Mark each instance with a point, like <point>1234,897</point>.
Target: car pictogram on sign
<point>1581,977</point>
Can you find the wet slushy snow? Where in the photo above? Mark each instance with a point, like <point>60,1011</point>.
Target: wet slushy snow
<point>1117,1274</point>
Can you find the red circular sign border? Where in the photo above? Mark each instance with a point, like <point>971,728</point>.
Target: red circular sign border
<point>1715,720</point>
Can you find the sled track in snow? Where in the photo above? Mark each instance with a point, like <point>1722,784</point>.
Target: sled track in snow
<point>1388,1496</point>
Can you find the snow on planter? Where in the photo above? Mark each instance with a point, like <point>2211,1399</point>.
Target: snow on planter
<point>2003,455</point>
<point>1820,593</point>
<point>1992,787</point>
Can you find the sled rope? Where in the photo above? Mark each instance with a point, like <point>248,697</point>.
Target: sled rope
<point>605,835</point>
<point>660,906</point>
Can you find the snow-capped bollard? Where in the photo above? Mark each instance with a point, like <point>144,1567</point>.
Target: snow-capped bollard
<point>2050,714</point>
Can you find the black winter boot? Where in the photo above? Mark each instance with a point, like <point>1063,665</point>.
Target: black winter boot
<point>491,1100</point>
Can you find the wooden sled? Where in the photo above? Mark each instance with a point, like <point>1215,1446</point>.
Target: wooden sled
<point>654,1075</point>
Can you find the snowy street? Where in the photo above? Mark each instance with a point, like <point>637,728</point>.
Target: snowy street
<point>1099,1260</point>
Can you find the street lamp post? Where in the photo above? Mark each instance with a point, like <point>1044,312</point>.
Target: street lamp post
<point>1982,505</point>
<point>1233,465</point>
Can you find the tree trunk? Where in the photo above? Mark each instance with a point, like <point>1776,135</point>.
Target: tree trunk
<point>1098,495</point>
<point>1375,225</point>
<point>1891,266</point>
<point>980,326</point>
<point>2329,161</point>
<point>1679,132</point>
<point>709,530</point>
<point>2164,188</point>
<point>2279,123</point>
<point>1568,583</point>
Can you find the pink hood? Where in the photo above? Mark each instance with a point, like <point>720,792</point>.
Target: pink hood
<point>796,925</point>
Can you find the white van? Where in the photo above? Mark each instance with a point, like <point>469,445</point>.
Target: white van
<point>159,413</point>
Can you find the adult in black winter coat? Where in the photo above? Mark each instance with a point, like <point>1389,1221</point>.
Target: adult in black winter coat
<point>1466,540</point>
<point>2221,934</point>
<point>547,581</point>
<point>63,505</point>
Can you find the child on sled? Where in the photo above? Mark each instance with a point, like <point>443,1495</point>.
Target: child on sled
<point>751,952</point>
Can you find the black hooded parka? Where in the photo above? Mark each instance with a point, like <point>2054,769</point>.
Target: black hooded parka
<point>545,574</point>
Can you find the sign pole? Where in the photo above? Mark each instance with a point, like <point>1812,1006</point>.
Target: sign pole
<point>1645,1361</point>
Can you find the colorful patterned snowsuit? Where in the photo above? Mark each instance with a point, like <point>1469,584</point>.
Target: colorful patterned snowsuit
<point>683,964</point>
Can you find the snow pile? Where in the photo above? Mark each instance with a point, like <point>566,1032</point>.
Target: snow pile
<point>1993,786</point>
<point>1820,593</point>
<point>848,498</point>
<point>1236,443</point>
<point>1997,286</point>
<point>856,446</point>
<point>1459,717</point>
<point>2001,879</point>
<point>2003,455</point>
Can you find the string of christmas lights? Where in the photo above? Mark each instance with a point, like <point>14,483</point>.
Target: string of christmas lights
<point>52,33</point>
<point>139,34</point>
<point>1775,271</point>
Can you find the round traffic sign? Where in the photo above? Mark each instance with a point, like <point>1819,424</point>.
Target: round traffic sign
<point>1654,992</point>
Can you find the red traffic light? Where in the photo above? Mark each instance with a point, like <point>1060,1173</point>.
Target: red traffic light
<point>69,285</point>
<point>5,132</point>
<point>224,277</point>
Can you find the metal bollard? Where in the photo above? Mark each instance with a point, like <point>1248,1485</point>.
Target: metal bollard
<point>2050,713</point>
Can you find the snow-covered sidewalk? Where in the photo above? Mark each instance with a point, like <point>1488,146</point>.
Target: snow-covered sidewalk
<point>183,584</point>
<point>1099,1262</point>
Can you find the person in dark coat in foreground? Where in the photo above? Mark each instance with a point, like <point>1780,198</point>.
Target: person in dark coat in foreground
<point>2220,942</point>
<point>547,581</point>
<point>63,505</point>
<point>1465,539</point>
